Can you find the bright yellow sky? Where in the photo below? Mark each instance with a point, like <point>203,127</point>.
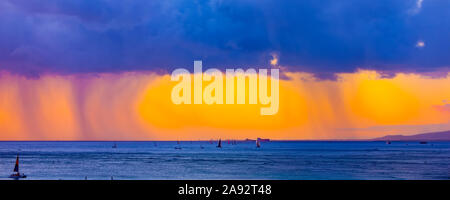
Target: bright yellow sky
<point>137,106</point>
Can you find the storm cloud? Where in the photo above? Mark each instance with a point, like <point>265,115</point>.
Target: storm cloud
<point>317,36</point>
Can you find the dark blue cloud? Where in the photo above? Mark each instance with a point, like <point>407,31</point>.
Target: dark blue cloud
<point>320,36</point>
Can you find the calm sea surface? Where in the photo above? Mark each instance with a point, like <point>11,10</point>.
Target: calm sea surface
<point>202,160</point>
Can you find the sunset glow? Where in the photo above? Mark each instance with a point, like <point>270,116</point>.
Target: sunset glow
<point>131,106</point>
<point>101,70</point>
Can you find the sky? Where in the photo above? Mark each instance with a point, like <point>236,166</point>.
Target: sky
<point>100,69</point>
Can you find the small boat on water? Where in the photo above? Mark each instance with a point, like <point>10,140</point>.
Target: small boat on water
<point>423,142</point>
<point>178,143</point>
<point>258,144</point>
<point>17,174</point>
<point>219,145</point>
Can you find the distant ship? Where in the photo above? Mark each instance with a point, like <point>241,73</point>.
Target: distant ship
<point>17,174</point>
<point>219,145</point>
<point>260,139</point>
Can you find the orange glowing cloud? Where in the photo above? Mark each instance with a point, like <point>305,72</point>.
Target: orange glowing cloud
<point>223,120</point>
<point>138,106</point>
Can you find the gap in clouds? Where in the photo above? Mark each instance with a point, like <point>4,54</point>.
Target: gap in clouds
<point>137,106</point>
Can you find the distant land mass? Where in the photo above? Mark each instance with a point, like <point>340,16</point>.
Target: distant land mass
<point>435,136</point>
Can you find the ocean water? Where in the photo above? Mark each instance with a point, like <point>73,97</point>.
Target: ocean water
<point>274,160</point>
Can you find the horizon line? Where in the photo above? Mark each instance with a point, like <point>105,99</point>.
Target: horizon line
<point>305,140</point>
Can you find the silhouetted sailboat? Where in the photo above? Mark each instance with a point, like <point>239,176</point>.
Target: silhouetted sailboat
<point>178,147</point>
<point>219,145</point>
<point>258,145</point>
<point>16,170</point>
